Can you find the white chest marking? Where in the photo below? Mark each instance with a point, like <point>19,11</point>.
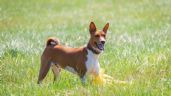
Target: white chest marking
<point>70,69</point>
<point>92,63</point>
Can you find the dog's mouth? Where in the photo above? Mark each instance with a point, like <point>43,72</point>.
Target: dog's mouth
<point>99,46</point>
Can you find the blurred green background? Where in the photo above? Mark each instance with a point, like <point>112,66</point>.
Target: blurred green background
<point>138,47</point>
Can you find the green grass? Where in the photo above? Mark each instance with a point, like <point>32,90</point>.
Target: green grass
<point>138,46</point>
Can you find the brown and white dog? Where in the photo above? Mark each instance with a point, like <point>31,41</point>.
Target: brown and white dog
<point>81,61</point>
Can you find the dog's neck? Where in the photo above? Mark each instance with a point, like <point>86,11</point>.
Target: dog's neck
<point>92,49</point>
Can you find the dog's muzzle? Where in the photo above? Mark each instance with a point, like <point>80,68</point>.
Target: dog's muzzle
<point>100,45</point>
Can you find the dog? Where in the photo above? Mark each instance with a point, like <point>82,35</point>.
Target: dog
<point>82,61</point>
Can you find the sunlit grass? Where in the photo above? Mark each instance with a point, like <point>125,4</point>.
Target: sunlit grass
<point>138,47</point>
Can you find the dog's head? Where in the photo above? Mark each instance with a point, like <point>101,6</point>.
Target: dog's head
<point>98,38</point>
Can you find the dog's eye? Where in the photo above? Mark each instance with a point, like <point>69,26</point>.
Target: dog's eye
<point>97,36</point>
<point>104,35</point>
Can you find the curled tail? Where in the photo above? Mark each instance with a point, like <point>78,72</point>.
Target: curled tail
<point>52,41</point>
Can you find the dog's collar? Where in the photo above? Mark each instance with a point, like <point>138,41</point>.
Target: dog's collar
<point>92,49</point>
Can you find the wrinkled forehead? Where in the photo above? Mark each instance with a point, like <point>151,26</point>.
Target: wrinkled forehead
<point>99,32</point>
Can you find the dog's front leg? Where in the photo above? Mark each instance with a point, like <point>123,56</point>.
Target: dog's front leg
<point>83,76</point>
<point>83,80</point>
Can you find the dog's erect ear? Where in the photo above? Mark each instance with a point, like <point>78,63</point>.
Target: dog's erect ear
<point>92,28</point>
<point>106,27</point>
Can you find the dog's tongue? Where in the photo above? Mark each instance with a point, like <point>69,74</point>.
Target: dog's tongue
<point>100,46</point>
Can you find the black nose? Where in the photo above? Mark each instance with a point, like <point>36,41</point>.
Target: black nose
<point>103,42</point>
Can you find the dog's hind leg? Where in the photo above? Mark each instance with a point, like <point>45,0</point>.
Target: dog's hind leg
<point>45,65</point>
<point>56,71</point>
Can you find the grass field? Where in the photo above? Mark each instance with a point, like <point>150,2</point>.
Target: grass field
<point>138,47</point>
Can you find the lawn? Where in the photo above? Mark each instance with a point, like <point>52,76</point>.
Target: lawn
<point>138,47</point>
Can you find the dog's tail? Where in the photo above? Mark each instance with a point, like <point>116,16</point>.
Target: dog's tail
<point>52,41</point>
